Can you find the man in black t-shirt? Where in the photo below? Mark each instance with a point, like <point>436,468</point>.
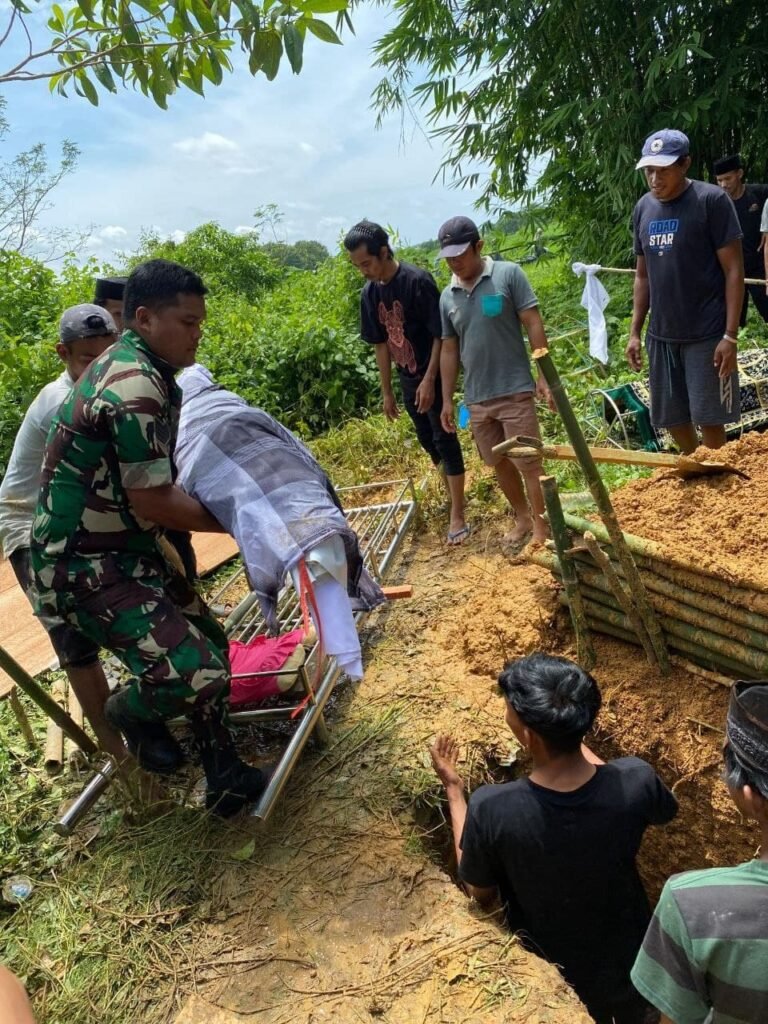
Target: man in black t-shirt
<point>400,315</point>
<point>690,274</point>
<point>749,201</point>
<point>559,846</point>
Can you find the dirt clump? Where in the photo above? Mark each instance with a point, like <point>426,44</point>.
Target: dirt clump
<point>718,524</point>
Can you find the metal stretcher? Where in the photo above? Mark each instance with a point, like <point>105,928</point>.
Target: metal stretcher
<point>381,528</point>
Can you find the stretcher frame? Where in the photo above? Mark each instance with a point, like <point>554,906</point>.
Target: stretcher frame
<point>381,528</point>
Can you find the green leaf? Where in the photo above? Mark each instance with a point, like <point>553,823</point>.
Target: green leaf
<point>267,53</point>
<point>245,852</point>
<point>86,6</point>
<point>325,6</point>
<point>89,89</point>
<point>104,77</point>
<point>322,30</point>
<point>294,46</point>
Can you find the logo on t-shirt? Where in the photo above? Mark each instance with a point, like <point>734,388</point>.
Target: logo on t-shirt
<point>661,234</point>
<point>393,322</point>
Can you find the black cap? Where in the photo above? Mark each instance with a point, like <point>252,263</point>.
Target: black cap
<point>746,725</point>
<point>456,235</point>
<point>109,288</point>
<point>726,164</point>
<point>85,321</point>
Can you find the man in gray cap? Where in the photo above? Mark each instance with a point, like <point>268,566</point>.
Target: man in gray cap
<point>749,200</point>
<point>85,331</point>
<point>109,293</point>
<point>690,275</point>
<point>484,310</point>
<point>705,953</point>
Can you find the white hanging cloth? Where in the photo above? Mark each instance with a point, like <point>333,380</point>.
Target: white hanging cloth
<point>594,299</point>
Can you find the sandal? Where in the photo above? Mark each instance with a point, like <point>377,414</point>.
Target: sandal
<point>457,537</point>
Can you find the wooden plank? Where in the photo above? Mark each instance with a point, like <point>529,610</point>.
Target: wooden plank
<point>212,550</point>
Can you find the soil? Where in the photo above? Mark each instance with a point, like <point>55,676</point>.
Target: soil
<point>345,909</point>
<point>717,522</point>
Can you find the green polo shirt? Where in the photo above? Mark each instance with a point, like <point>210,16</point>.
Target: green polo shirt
<point>485,320</point>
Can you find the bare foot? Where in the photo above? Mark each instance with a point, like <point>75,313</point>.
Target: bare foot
<point>516,537</point>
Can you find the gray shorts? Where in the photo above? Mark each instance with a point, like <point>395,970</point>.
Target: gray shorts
<point>685,387</point>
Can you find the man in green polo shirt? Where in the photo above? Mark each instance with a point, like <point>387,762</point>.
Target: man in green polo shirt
<point>484,310</point>
<point>705,955</point>
<point>107,488</point>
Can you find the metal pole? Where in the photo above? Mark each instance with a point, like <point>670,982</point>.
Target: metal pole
<point>83,803</point>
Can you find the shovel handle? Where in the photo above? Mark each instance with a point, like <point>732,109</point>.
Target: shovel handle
<point>615,456</point>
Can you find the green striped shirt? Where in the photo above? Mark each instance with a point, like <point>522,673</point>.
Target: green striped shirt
<point>705,954</point>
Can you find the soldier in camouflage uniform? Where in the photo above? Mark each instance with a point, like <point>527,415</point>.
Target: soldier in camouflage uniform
<point>107,489</point>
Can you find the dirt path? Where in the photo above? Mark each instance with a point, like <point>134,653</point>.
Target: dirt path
<point>342,909</point>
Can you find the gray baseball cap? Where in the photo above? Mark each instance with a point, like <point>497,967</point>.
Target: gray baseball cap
<point>85,321</point>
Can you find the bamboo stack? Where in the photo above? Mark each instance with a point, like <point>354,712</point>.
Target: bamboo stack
<point>721,626</point>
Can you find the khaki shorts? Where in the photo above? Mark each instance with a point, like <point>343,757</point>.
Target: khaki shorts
<point>496,419</point>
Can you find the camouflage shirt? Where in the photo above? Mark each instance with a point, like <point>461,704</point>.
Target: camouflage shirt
<point>116,430</point>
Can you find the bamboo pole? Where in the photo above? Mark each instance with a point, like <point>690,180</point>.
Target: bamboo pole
<point>585,654</point>
<point>622,597</point>
<point>717,607</point>
<point>599,615</point>
<point>631,270</point>
<point>649,549</point>
<point>44,701</point>
<point>603,501</point>
<point>675,605</point>
<point>71,751</point>
<point>54,738</point>
<point>21,718</point>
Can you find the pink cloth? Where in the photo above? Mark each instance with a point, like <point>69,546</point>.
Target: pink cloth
<point>262,654</point>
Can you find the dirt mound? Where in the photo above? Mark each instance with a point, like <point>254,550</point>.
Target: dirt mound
<point>717,523</point>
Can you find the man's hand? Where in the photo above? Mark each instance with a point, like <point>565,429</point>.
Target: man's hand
<point>725,358</point>
<point>447,420</point>
<point>634,352</point>
<point>444,753</point>
<point>425,395</point>
<point>390,406</point>
<point>544,394</point>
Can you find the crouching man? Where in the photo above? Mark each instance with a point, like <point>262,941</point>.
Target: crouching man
<point>107,489</point>
<point>558,847</point>
<point>85,332</point>
<point>705,956</point>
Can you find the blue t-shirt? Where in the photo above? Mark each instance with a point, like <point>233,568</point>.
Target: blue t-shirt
<point>679,241</point>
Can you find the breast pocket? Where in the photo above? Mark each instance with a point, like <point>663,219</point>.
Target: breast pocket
<point>492,305</point>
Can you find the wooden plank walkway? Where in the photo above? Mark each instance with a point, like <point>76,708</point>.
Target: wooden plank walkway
<point>26,640</point>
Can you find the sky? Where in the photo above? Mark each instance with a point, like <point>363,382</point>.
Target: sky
<point>307,143</point>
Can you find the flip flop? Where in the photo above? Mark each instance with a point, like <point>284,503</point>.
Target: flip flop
<point>457,537</point>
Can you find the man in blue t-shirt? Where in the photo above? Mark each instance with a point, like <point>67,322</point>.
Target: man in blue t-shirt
<point>400,316</point>
<point>690,274</point>
<point>558,847</point>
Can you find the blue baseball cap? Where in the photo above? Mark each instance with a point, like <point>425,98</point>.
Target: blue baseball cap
<point>663,148</point>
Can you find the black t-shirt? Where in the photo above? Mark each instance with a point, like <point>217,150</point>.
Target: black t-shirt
<point>565,866</point>
<point>749,209</point>
<point>679,241</point>
<point>404,313</point>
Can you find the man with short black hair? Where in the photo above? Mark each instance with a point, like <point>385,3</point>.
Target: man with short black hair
<point>690,274</point>
<point>559,846</point>
<point>705,955</point>
<point>109,293</point>
<point>749,201</point>
<point>107,489</point>
<point>85,331</point>
<point>400,315</point>
<point>484,310</point>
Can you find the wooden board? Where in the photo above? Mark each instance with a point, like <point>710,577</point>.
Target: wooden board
<point>26,640</point>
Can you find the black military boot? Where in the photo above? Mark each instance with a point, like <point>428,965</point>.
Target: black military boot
<point>151,743</point>
<point>232,784</point>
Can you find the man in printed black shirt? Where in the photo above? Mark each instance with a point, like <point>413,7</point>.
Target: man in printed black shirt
<point>400,315</point>
<point>749,201</point>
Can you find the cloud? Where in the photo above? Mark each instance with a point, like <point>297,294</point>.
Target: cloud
<point>307,147</point>
<point>176,236</point>
<point>113,232</point>
<point>209,144</point>
<point>244,229</point>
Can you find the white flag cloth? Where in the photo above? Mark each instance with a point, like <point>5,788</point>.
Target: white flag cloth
<point>594,299</point>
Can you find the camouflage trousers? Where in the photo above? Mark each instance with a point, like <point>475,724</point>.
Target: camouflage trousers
<point>146,614</point>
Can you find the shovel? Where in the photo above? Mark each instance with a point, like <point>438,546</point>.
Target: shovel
<point>686,467</point>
